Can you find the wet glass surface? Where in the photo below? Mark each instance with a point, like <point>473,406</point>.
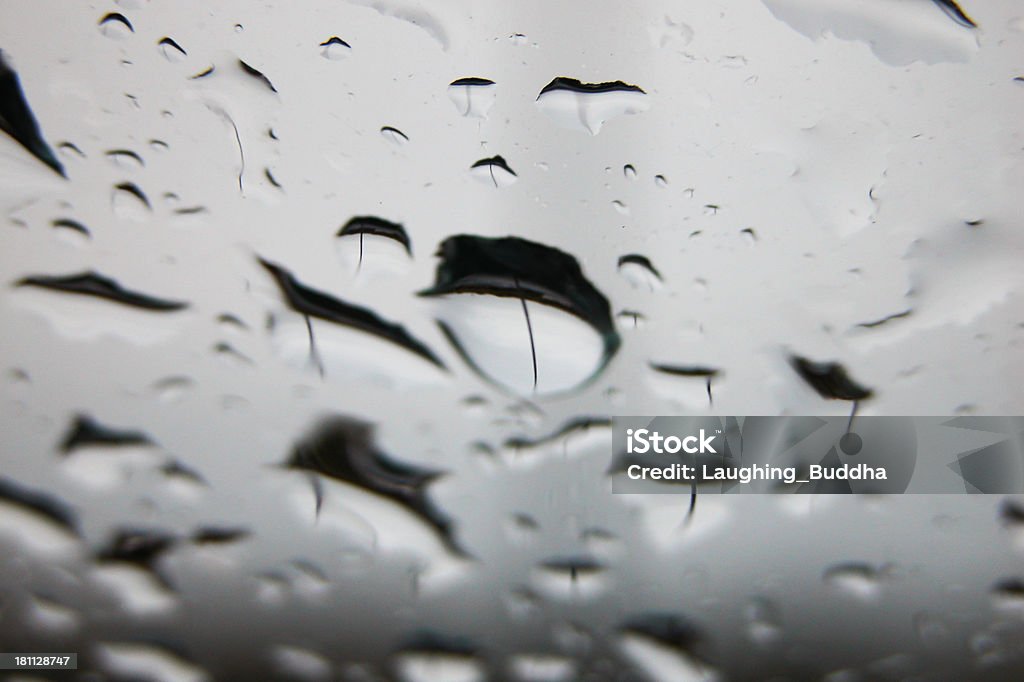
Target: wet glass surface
<point>314,316</point>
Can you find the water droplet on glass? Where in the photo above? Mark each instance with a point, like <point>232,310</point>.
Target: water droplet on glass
<point>125,158</point>
<point>296,663</point>
<point>171,50</point>
<point>494,171</point>
<point>394,135</point>
<point>128,201</point>
<point>640,272</point>
<point>335,49</point>
<point>764,621</point>
<point>472,97</point>
<point>343,449</point>
<point>569,578</point>
<point>511,307</point>
<point>856,579</point>
<point>542,668</point>
<point>18,121</point>
<point>587,106</point>
<point>116,25</point>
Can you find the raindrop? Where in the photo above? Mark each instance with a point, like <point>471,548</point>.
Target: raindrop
<point>52,618</point>
<point>856,579</point>
<point>1008,594</point>
<point>343,449</point>
<point>660,181</point>
<point>317,304</point>
<point>257,74</point>
<point>427,666</point>
<point>125,158</point>
<point>129,201</point>
<point>232,321</point>
<point>394,135</point>
<point>898,33</point>
<point>203,74</point>
<point>68,149</point>
<point>663,645</point>
<point>640,272</point>
<point>494,170</point>
<point>577,425</point>
<point>42,503</point>
<point>1012,513</point>
<point>542,668</point>
<point>888,318</point>
<point>235,356</point>
<point>378,227</point>
<point>219,535</point>
<point>588,106</point>
<point>537,356</point>
<point>629,172</point>
<point>171,50</point>
<point>138,592</point>
<point>115,25</point>
<point>295,663</point>
<point>93,284</point>
<point>567,577</point>
<point>175,469</point>
<point>86,432</point>
<point>952,9</point>
<point>335,49</point>
<point>73,225</point>
<point>632,319</point>
<point>829,379</point>
<point>473,97</point>
<point>134,661</point>
<point>763,621</point>
<point>139,547</point>
<point>18,121</point>
<point>620,207</point>
<point>694,371</point>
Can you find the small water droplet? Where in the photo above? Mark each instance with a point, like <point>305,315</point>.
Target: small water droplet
<point>128,201</point>
<point>494,171</point>
<point>764,621</point>
<point>640,272</point>
<point>171,50</point>
<point>856,579</point>
<point>335,49</point>
<point>394,135</point>
<point>116,25</point>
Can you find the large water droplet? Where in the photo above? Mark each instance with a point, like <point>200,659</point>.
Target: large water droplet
<point>525,350</point>
<point>587,106</point>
